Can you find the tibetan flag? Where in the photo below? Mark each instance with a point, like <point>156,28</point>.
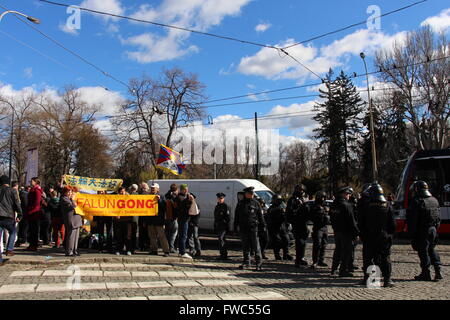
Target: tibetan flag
<point>170,160</point>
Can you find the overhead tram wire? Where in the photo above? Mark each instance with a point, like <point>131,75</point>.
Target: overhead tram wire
<point>165,25</point>
<point>37,51</point>
<point>70,51</point>
<point>233,38</point>
<point>319,83</point>
<point>355,24</point>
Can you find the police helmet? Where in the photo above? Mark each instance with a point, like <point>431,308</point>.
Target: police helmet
<point>376,193</point>
<point>301,187</point>
<point>321,195</point>
<point>365,190</point>
<point>421,189</point>
<point>347,189</point>
<point>276,198</point>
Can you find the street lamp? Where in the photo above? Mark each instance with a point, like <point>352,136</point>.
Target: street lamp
<point>372,132</point>
<point>36,21</point>
<point>29,18</point>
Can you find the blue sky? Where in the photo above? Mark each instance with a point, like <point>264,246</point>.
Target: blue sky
<point>127,49</point>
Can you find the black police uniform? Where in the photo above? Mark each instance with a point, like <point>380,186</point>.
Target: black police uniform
<point>263,234</point>
<point>247,217</point>
<point>222,226</point>
<point>423,219</point>
<point>320,219</point>
<point>361,208</point>
<point>377,227</point>
<point>278,234</point>
<point>345,231</point>
<point>297,215</point>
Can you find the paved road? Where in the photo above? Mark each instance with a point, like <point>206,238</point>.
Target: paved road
<point>148,277</point>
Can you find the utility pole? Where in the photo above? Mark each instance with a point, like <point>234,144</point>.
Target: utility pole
<point>372,131</point>
<point>11,147</point>
<point>257,147</point>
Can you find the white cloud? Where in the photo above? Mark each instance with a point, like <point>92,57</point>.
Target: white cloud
<point>110,6</point>
<point>438,23</point>
<point>194,14</point>
<point>274,65</point>
<point>28,72</point>
<point>153,48</point>
<point>262,27</point>
<point>63,27</point>
<point>108,101</point>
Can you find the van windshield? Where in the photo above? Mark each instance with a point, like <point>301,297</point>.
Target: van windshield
<point>265,195</point>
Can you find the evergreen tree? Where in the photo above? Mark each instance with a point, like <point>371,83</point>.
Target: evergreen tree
<point>340,127</point>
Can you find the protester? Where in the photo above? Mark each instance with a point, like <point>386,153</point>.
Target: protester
<point>56,218</point>
<point>72,221</point>
<point>34,213</point>
<point>122,230</point>
<point>194,244</point>
<point>155,224</point>
<point>171,223</point>
<point>23,224</point>
<point>133,190</point>
<point>143,241</point>
<point>45,223</point>
<point>9,205</point>
<point>183,204</point>
<point>103,222</point>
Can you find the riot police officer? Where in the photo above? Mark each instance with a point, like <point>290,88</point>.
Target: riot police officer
<point>320,219</point>
<point>377,227</point>
<point>423,219</point>
<point>222,224</point>
<point>345,231</point>
<point>247,217</point>
<point>297,214</point>
<point>276,224</point>
<point>263,234</point>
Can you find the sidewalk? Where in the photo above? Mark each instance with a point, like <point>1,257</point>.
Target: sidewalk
<point>50,256</point>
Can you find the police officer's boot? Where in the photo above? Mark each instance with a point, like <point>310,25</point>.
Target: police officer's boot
<point>388,283</point>
<point>437,273</point>
<point>425,275</point>
<point>277,254</point>
<point>287,256</point>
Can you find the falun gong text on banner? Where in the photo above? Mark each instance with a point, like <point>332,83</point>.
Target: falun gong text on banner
<point>90,205</point>
<point>97,184</point>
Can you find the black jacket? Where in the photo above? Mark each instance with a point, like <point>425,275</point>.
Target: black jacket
<point>222,217</point>
<point>54,207</point>
<point>377,221</point>
<point>422,214</point>
<point>9,203</point>
<point>160,219</point>
<point>342,217</point>
<point>248,215</point>
<point>276,219</point>
<point>297,215</point>
<point>318,214</point>
<point>183,204</point>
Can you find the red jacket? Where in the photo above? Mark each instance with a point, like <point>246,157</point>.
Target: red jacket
<point>33,211</point>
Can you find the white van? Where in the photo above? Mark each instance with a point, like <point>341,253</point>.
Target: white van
<point>206,189</point>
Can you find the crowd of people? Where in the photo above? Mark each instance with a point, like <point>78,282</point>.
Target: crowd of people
<point>30,214</point>
<point>368,217</point>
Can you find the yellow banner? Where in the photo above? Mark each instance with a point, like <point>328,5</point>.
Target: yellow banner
<point>90,205</point>
<point>97,184</point>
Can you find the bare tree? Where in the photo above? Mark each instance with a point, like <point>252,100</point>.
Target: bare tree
<point>423,88</point>
<point>159,107</point>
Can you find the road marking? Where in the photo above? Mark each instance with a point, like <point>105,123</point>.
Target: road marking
<point>17,288</point>
<point>122,285</point>
<point>165,298</point>
<point>31,273</point>
<point>153,284</point>
<point>117,274</point>
<point>184,283</point>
